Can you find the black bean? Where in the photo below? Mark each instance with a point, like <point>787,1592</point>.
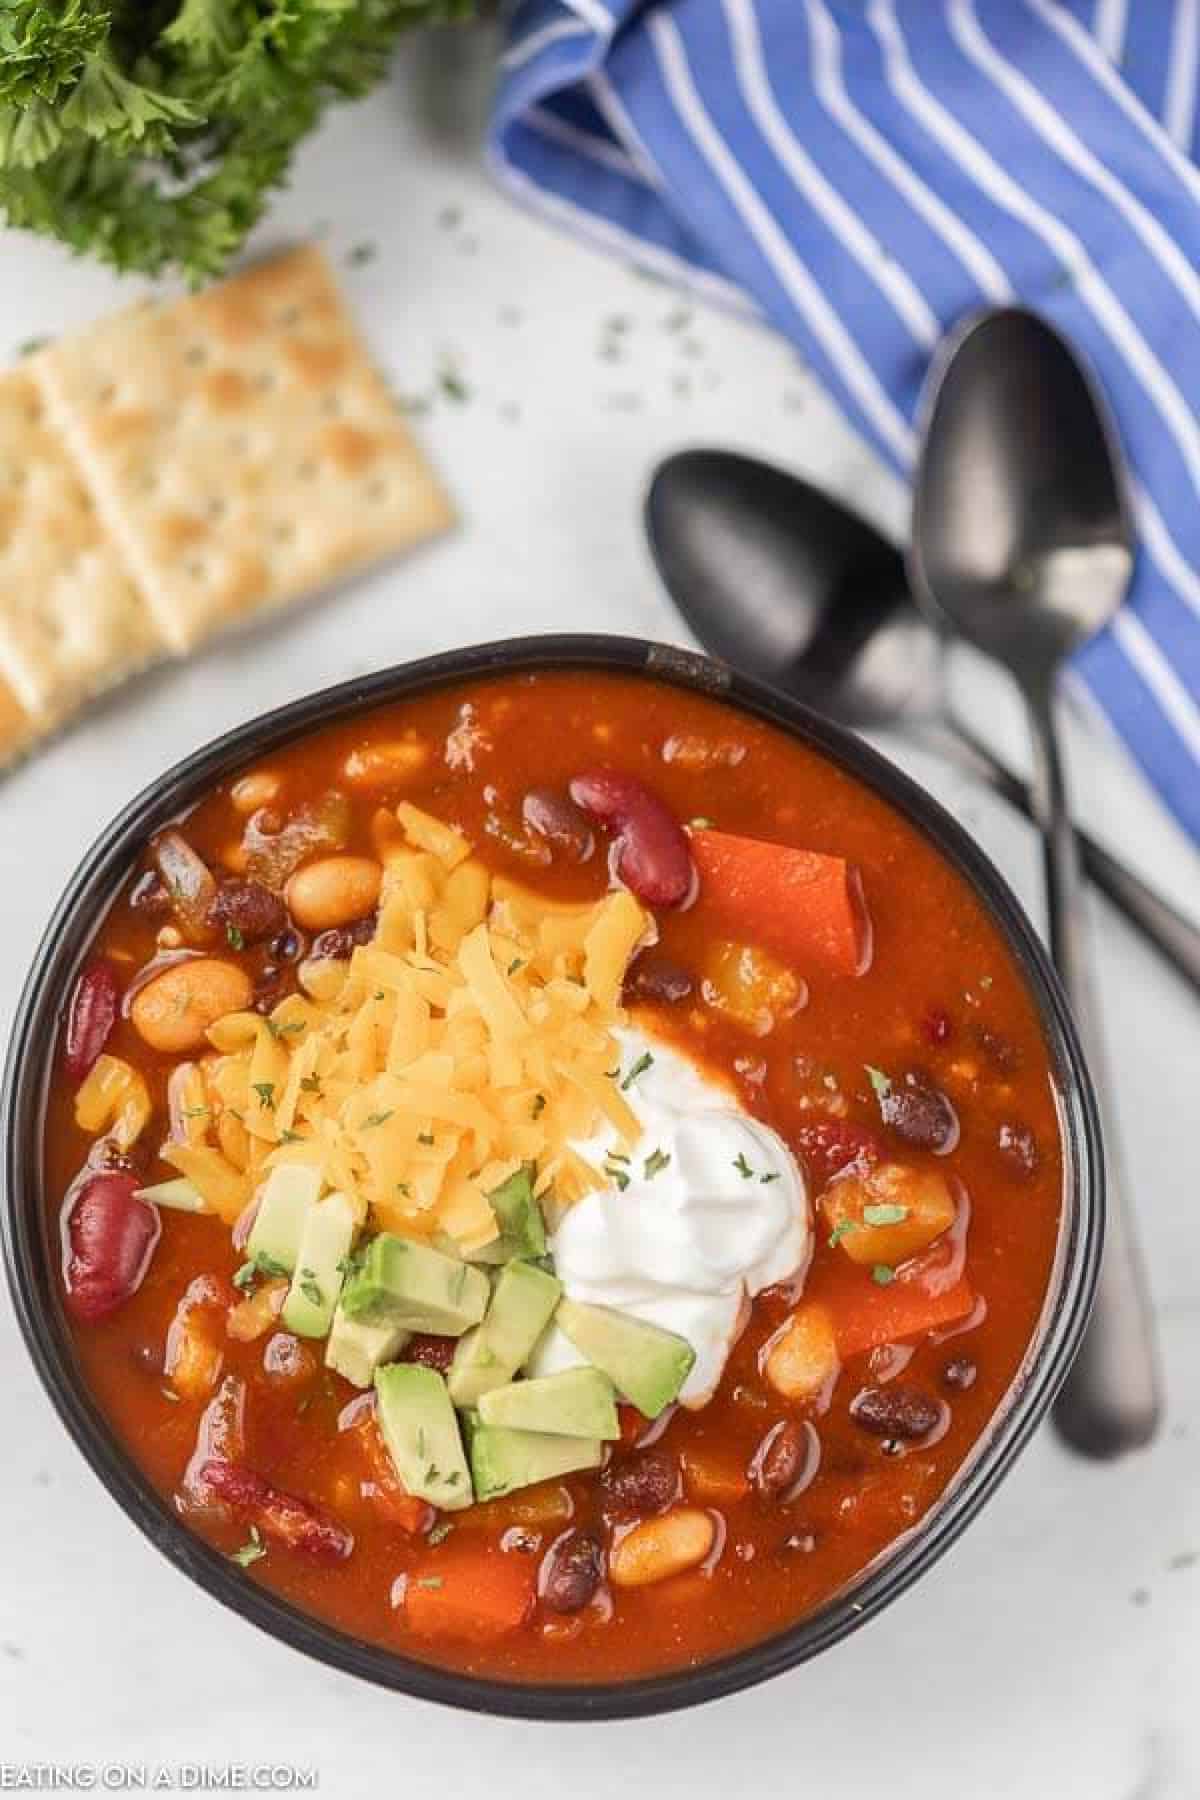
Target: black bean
<point>338,943</point>
<point>896,1412</point>
<point>149,896</point>
<point>287,946</point>
<point>644,1483</point>
<point>246,911</point>
<point>657,978</point>
<point>572,1572</point>
<point>919,1113</point>
<point>778,1460</point>
<point>555,817</point>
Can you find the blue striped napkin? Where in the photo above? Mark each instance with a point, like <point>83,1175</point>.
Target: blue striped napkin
<point>862,175</point>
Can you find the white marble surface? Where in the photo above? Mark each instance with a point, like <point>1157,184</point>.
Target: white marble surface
<point>1056,1652</point>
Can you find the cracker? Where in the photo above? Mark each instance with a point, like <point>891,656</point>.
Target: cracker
<point>241,448</point>
<point>71,622</point>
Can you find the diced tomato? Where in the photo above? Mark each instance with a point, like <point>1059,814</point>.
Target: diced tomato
<point>467,1593</point>
<point>805,907</point>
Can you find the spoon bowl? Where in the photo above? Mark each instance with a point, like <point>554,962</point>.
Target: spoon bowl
<point>1021,539</point>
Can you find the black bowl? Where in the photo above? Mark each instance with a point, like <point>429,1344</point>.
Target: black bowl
<point>32,1257</point>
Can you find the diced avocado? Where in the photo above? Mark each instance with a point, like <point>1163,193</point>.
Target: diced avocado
<point>578,1403</point>
<point>356,1350</point>
<point>522,1302</point>
<point>502,1460</point>
<point>421,1432</point>
<point>522,1227</point>
<point>404,1283</point>
<point>320,1267</point>
<point>289,1193</point>
<point>181,1195</point>
<point>644,1363</point>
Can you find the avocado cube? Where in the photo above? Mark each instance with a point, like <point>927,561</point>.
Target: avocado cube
<point>356,1350</point>
<point>287,1197</point>
<point>421,1432</point>
<point>644,1363</point>
<point>575,1403</point>
<point>407,1284</point>
<point>503,1460</point>
<point>320,1264</point>
<point>522,1302</point>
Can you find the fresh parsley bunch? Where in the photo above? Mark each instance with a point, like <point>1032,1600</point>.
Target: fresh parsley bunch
<point>150,132</point>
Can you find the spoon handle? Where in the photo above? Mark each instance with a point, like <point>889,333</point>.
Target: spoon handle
<point>1110,1402</point>
<point>1169,931</point>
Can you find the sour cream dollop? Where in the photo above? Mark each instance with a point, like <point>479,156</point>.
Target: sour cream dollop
<point>690,1240</point>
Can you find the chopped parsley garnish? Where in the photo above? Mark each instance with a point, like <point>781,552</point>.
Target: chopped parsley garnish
<point>404,1188</point>
<point>289,1028</point>
<point>771,1175</point>
<point>379,1118</point>
<point>617,1176</point>
<point>234,938</point>
<point>885,1214</point>
<point>539,1105</point>
<point>441,1531</point>
<point>260,1264</point>
<point>266,1094</point>
<point>882,1274</point>
<point>290,1137</point>
<point>196,1112</point>
<point>644,1062</point>
<point>310,1287</point>
<point>879,1081</point>
<point>424,1137</point>
<point>841,1230</point>
<point>250,1551</point>
<point>518,962</point>
<point>742,1166</point>
<point>310,1084</point>
<point>655,1163</point>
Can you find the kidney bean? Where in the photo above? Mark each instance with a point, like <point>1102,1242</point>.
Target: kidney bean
<point>653,977</point>
<point>920,1114</point>
<point>431,1351</point>
<point>572,1571</point>
<point>282,1517</point>
<point>1018,1146</point>
<point>91,1017</point>
<point>556,818</point>
<point>108,1238</point>
<point>338,943</point>
<point>960,1374</point>
<point>650,852</point>
<point>246,912</point>
<point>830,1145</point>
<point>288,946</point>
<point>645,1483</point>
<point>896,1412</point>
<point>777,1462</point>
<point>149,895</point>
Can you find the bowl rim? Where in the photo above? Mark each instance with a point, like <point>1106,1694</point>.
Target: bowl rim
<point>42,1320</point>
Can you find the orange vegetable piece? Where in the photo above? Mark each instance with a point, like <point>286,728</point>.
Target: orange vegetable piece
<point>805,907</point>
<point>469,1593</point>
<point>712,1476</point>
<point>902,1309</point>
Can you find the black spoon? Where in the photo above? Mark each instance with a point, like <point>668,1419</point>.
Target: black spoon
<point>776,578</point>
<point>1022,545</point>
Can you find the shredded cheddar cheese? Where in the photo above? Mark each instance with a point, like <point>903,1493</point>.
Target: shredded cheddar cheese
<point>473,1035</point>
